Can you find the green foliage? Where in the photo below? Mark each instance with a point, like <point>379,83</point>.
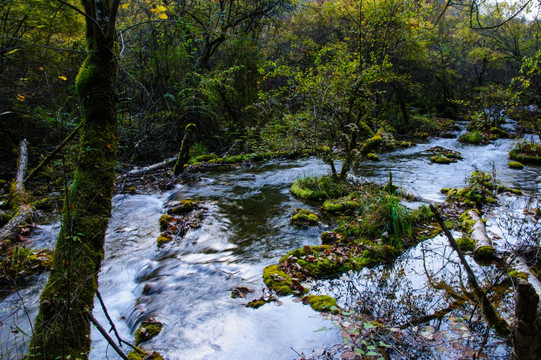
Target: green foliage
<point>473,137</point>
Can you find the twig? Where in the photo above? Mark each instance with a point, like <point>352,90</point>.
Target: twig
<point>113,327</point>
<point>107,337</point>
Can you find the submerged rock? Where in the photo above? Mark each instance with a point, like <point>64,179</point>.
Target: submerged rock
<point>304,217</point>
<point>149,329</point>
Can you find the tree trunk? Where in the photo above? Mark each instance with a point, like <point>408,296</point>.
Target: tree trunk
<point>62,327</point>
<point>184,152</point>
<point>526,337</point>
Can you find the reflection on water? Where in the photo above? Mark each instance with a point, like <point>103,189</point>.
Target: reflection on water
<point>186,284</point>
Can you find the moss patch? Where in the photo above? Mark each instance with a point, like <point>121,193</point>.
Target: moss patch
<point>140,354</point>
<point>162,239</point>
<point>277,280</point>
<point>515,165</point>
<point>465,243</point>
<point>304,217</point>
<point>149,329</point>
<point>321,303</point>
<point>165,220</point>
<point>183,207</point>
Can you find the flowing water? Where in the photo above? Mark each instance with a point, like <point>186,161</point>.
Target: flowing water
<point>187,284</point>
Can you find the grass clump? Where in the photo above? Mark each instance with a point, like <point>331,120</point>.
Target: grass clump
<point>319,188</point>
<point>472,137</point>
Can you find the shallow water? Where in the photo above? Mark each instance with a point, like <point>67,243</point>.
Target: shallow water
<point>245,226</point>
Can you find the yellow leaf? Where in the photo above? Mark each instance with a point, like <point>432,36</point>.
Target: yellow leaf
<point>40,68</point>
<point>155,11</point>
<point>161,8</point>
<point>124,6</point>
<point>63,78</point>
<point>162,16</point>
<point>20,97</point>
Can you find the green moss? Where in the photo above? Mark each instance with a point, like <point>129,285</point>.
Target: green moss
<point>518,275</point>
<point>165,220</point>
<point>372,156</point>
<point>465,243</point>
<point>498,133</point>
<point>440,159</point>
<point>277,280</point>
<point>333,206</point>
<point>484,253</point>
<point>205,158</point>
<point>298,191</point>
<point>304,217</point>
<point>473,137</point>
<point>255,304</point>
<point>149,329</point>
<point>140,354</point>
<point>183,207</point>
<point>162,239</point>
<point>372,144</point>
<point>322,303</point>
<point>515,165</point>
<point>406,144</point>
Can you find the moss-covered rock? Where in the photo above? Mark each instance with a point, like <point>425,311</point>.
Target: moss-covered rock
<point>473,137</point>
<point>255,304</point>
<point>372,156</point>
<point>440,159</point>
<point>277,280</point>
<point>165,221</point>
<point>498,132</point>
<point>149,329</point>
<point>515,165</point>
<point>140,354</point>
<point>304,217</point>
<point>321,303</point>
<point>183,207</point>
<point>162,239</point>
<point>372,144</point>
<point>300,192</point>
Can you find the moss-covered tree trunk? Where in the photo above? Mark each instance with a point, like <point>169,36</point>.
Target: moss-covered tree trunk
<point>62,327</point>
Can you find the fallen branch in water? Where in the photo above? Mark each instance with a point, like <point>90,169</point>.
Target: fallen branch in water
<point>18,199</point>
<point>138,171</point>
<point>500,325</point>
<point>107,337</point>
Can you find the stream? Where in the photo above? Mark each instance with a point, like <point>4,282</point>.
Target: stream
<point>187,285</point>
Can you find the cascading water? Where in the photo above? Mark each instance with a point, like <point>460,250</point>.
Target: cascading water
<point>245,226</point>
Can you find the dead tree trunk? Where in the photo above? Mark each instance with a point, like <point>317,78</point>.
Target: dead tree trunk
<point>499,324</point>
<point>184,152</point>
<point>483,246</point>
<point>527,333</point>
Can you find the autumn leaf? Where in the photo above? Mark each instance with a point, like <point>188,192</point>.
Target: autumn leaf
<point>62,77</point>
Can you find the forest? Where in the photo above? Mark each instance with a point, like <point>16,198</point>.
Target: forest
<point>270,179</point>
